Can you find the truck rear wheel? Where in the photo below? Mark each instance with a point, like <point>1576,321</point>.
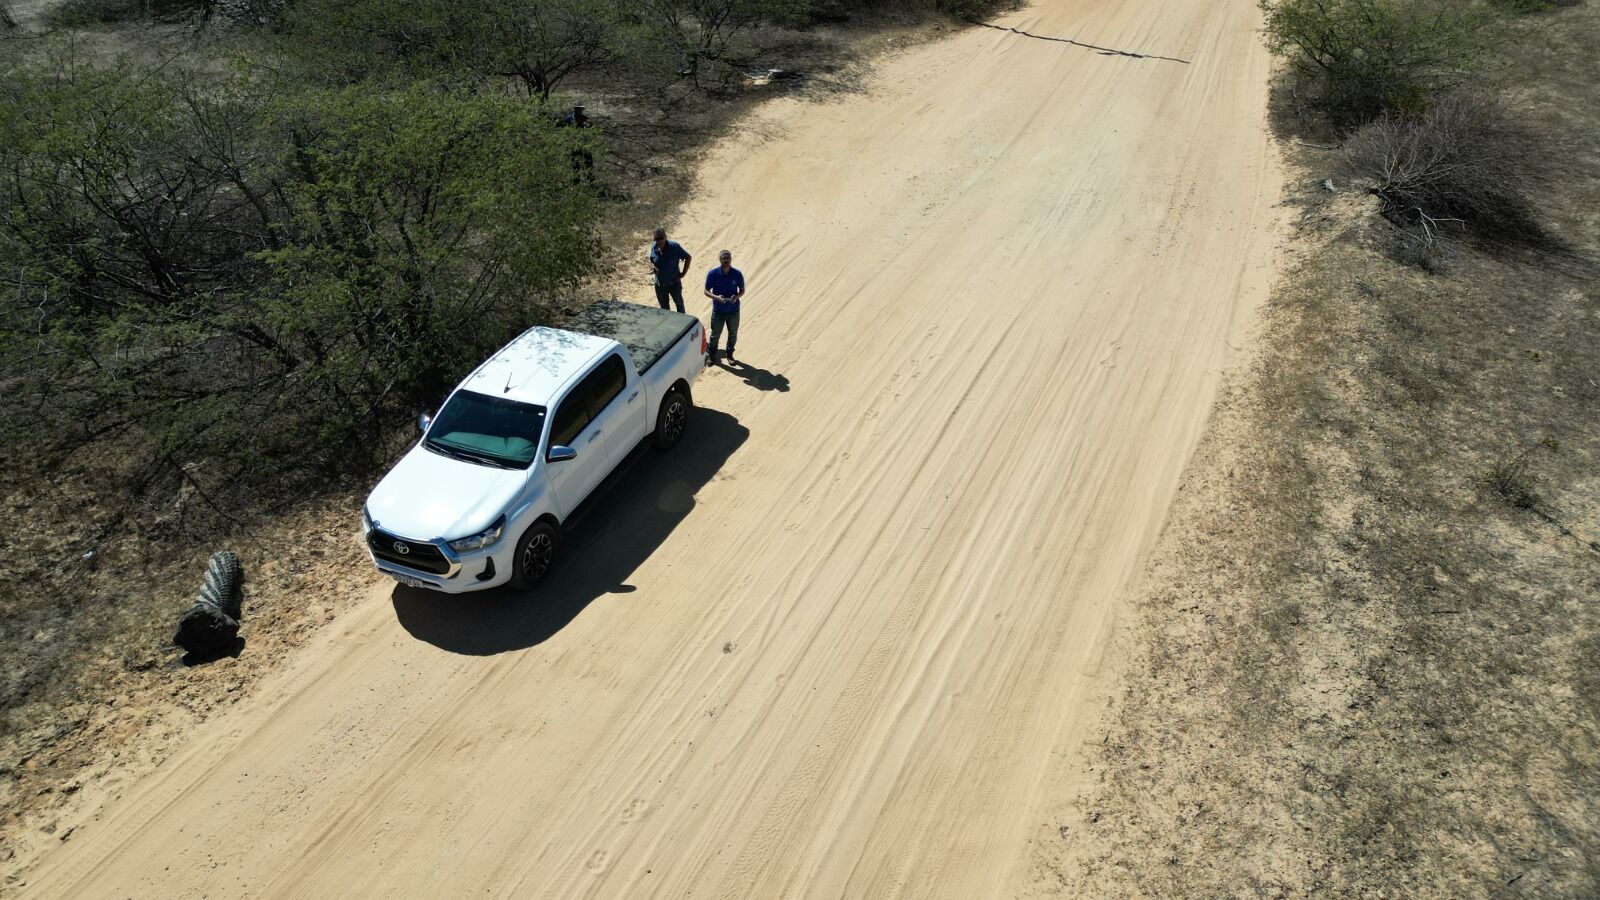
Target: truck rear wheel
<point>673,417</point>
<point>536,555</point>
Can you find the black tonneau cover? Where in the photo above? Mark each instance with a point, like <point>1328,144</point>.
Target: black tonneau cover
<point>647,331</point>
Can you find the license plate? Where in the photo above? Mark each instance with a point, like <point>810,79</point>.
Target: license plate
<point>412,582</point>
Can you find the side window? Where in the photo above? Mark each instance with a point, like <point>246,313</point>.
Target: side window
<point>605,383</point>
<point>570,417</point>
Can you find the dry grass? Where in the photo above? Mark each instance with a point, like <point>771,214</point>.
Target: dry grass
<point>1365,661</point>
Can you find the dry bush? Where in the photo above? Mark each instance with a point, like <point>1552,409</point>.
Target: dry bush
<point>1511,482</point>
<point>1461,166</point>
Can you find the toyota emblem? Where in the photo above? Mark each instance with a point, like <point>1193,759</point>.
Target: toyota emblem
<point>402,548</point>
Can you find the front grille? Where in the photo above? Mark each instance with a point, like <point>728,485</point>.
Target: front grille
<point>419,555</point>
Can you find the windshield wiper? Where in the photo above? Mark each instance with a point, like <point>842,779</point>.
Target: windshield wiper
<point>467,455</point>
<point>443,450</point>
<point>493,461</point>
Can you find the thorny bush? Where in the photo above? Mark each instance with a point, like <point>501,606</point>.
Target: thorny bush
<point>1461,166</point>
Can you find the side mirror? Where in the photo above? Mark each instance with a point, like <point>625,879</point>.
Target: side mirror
<point>561,453</point>
<point>423,421</point>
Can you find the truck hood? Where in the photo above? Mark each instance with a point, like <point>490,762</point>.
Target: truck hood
<point>429,496</point>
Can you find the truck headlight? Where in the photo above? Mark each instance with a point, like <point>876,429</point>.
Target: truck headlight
<point>482,539</point>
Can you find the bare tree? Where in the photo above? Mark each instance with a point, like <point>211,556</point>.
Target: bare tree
<point>705,33</point>
<point>541,43</point>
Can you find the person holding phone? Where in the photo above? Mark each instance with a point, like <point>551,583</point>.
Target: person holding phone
<point>725,287</point>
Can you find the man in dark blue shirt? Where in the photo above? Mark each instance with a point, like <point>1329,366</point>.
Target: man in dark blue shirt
<point>725,287</point>
<point>665,259</point>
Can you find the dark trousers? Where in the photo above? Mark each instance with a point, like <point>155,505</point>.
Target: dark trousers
<point>675,291</point>
<point>582,166</point>
<point>719,319</point>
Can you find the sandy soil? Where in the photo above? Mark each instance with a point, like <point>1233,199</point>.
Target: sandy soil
<point>838,642</point>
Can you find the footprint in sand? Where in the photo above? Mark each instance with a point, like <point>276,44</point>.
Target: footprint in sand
<point>635,811</point>
<point>598,861</point>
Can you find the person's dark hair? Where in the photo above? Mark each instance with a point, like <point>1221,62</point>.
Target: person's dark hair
<point>661,234</point>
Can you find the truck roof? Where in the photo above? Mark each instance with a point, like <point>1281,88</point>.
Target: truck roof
<point>534,367</point>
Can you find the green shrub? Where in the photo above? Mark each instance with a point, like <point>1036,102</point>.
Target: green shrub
<point>425,224</point>
<point>259,277</point>
<point>537,42</point>
<point>1355,60</point>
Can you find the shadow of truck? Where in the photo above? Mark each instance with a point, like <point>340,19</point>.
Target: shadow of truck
<point>622,529</point>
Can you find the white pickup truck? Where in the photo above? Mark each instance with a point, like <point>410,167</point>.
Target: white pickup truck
<point>483,498</point>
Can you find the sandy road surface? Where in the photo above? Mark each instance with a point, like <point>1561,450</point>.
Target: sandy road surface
<point>839,642</point>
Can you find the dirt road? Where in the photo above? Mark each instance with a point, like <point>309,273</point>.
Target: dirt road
<point>839,643</point>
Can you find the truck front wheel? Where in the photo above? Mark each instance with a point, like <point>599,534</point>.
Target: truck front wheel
<point>536,555</point>
<point>670,422</point>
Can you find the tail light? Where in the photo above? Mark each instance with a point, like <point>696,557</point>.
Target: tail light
<point>702,339</point>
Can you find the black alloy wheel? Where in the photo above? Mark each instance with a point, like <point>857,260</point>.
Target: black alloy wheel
<point>536,555</point>
<point>674,417</point>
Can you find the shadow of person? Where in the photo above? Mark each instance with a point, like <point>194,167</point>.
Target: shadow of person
<point>760,379</point>
<point>619,532</point>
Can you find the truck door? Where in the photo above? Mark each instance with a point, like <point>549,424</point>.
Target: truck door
<point>594,420</point>
<point>571,480</point>
<point>635,418</point>
<point>617,403</point>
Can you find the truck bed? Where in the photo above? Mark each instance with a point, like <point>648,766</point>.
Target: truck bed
<point>647,331</point>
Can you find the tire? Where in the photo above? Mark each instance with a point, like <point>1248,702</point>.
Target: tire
<point>537,552</point>
<point>672,419</point>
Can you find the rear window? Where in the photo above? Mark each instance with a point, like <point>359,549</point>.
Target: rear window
<point>605,383</point>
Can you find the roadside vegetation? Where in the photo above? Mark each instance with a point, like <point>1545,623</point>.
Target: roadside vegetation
<point>1364,660</point>
<point>1423,96</point>
<point>244,242</point>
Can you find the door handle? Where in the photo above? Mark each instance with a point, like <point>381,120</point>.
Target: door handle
<point>633,396</point>
<point>594,437</point>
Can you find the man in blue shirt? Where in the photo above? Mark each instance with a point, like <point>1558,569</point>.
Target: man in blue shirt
<point>665,259</point>
<point>725,287</point>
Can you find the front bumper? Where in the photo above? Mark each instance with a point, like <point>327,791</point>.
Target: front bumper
<point>441,568</point>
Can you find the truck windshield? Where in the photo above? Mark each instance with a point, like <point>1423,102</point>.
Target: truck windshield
<point>489,431</point>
